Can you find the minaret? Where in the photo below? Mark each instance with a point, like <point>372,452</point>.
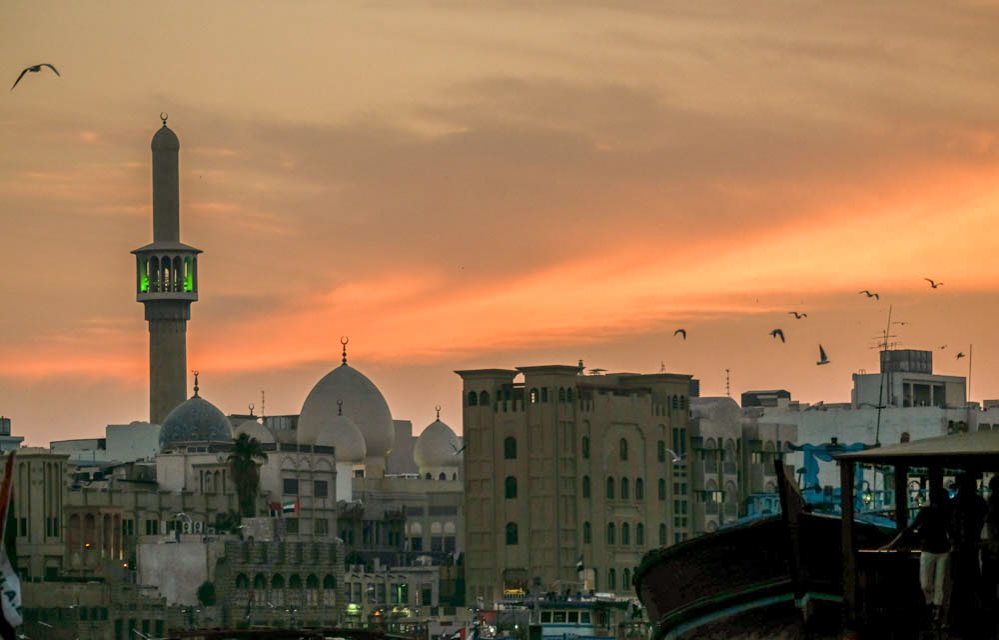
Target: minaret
<point>166,282</point>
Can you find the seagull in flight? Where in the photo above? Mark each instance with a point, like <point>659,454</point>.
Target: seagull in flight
<point>777,333</point>
<point>34,69</point>
<point>797,316</point>
<point>681,331</point>
<point>822,356</point>
<point>870,295</point>
<point>944,347</point>
<point>960,354</point>
<point>456,449</point>
<point>933,283</point>
<point>676,457</point>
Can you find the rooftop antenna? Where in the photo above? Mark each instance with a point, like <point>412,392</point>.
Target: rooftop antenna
<point>968,390</point>
<point>263,403</point>
<point>885,345</point>
<point>728,388</point>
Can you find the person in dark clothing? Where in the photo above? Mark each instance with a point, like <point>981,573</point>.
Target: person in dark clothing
<point>932,525</point>
<point>990,554</point>
<point>967,517</point>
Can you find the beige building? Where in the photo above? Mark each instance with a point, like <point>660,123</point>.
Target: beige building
<point>562,468</point>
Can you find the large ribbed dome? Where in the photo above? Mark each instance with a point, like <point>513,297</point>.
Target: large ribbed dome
<point>195,420</point>
<point>436,447</point>
<point>363,403</point>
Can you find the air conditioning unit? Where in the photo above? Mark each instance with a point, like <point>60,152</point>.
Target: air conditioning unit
<point>197,527</point>
<point>187,526</point>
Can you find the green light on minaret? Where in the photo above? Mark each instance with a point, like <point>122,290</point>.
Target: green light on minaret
<point>143,276</point>
<point>189,278</point>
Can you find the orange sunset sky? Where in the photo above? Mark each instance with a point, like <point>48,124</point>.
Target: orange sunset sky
<point>492,184</point>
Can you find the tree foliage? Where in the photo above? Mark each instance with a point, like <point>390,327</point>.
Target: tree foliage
<point>246,452</point>
<point>206,594</point>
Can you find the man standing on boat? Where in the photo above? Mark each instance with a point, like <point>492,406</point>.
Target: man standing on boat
<point>932,524</point>
<point>967,517</point>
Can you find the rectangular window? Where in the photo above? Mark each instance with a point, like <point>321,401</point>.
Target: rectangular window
<point>546,617</point>
<point>449,544</point>
<point>572,617</point>
<point>291,526</point>
<point>559,616</point>
<point>371,593</point>
<point>321,489</point>
<point>416,543</point>
<point>24,526</point>
<point>584,617</point>
<point>290,487</point>
<point>381,593</point>
<point>394,595</point>
<point>356,596</point>
<point>436,544</point>
<point>320,526</point>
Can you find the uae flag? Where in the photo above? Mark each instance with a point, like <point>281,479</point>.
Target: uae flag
<point>290,506</point>
<point>10,586</point>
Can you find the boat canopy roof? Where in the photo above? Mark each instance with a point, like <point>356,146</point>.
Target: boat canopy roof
<point>978,450</point>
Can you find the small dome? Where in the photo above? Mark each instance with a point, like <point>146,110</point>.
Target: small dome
<point>436,447</point>
<point>256,430</point>
<point>342,434</point>
<point>363,403</point>
<point>195,420</point>
<point>166,140</point>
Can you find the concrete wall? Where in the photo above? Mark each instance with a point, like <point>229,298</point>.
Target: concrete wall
<point>135,441</point>
<point>177,569</point>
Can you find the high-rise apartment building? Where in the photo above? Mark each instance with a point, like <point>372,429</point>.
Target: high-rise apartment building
<point>564,470</point>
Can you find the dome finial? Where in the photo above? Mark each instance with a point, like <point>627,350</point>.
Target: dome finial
<point>163,116</point>
<point>339,407</point>
<point>251,409</point>
<point>343,341</point>
<point>195,382</point>
<point>438,409</point>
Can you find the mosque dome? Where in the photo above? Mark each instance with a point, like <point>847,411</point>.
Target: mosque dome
<point>362,402</point>
<point>165,139</point>
<point>255,429</point>
<point>435,447</point>
<point>195,420</point>
<point>720,409</point>
<point>338,432</point>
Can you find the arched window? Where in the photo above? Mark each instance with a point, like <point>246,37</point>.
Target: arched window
<point>640,534</point>
<point>683,402</point>
<point>611,580</point>
<point>312,582</point>
<point>295,581</point>
<point>484,399</point>
<point>611,533</point>
<point>277,582</point>
<point>568,394</point>
<point>329,582</point>
<point>428,476</point>
<point>587,533</point>
<point>259,581</point>
<point>623,448</point>
<point>661,451</point>
<point>544,394</point>
<point>511,533</point>
<point>624,489</point>
<point>510,448</point>
<point>610,488</point>
<point>626,579</point>
<point>442,476</point>
<point>454,476</point>
<point>639,489</point>
<point>586,486</point>
<point>561,394</point>
<point>625,533</point>
<point>511,487</point>
<point>586,447</point>
<point>662,489</point>
<point>473,399</point>
<point>662,535</point>
<point>242,582</point>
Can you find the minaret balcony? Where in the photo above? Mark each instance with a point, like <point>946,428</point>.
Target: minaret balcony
<point>166,271</point>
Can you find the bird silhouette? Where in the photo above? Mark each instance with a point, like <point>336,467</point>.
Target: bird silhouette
<point>870,295</point>
<point>673,454</point>
<point>944,347</point>
<point>777,333</point>
<point>822,356</point>
<point>681,331</point>
<point>797,316</point>
<point>34,69</point>
<point>932,283</point>
<point>456,449</point>
<point>960,354</point>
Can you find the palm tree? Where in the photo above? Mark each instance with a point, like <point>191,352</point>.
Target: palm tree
<point>246,451</point>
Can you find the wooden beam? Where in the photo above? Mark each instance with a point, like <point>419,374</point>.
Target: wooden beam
<point>849,553</point>
<point>901,497</point>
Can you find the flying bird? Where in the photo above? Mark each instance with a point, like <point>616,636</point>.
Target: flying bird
<point>682,331</point>
<point>797,316</point>
<point>960,354</point>
<point>870,295</point>
<point>944,347</point>
<point>674,455</point>
<point>778,333</point>
<point>932,283</point>
<point>456,449</point>
<point>822,356</point>
<point>34,69</point>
